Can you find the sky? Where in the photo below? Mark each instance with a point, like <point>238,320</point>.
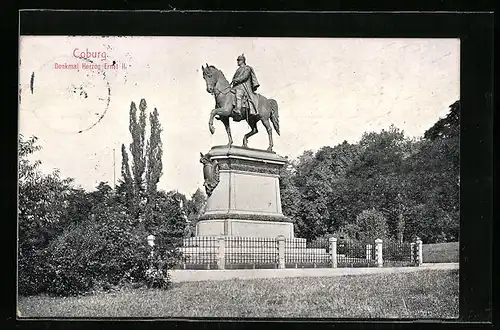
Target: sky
<point>328,90</point>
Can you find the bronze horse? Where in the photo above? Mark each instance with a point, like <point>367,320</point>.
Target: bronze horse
<point>267,110</point>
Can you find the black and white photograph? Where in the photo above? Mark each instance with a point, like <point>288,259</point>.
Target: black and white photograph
<point>238,177</point>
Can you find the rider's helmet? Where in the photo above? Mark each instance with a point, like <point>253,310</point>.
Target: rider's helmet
<point>242,58</point>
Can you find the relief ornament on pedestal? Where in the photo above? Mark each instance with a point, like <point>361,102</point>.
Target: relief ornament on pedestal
<point>210,173</point>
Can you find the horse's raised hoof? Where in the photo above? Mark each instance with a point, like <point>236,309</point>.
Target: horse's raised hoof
<point>212,129</point>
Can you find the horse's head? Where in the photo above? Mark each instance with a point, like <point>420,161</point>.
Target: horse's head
<point>211,76</point>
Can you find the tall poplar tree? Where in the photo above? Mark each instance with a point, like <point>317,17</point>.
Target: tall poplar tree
<point>154,154</point>
<point>140,183</point>
<point>138,131</point>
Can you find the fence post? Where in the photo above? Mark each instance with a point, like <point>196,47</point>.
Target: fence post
<point>419,251</point>
<point>369,252</point>
<point>281,252</point>
<point>378,250</point>
<point>221,253</point>
<point>333,251</point>
<point>412,252</point>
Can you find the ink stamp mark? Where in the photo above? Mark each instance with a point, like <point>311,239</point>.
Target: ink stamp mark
<point>70,95</point>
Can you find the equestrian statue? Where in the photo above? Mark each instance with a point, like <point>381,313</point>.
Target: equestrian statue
<point>239,100</point>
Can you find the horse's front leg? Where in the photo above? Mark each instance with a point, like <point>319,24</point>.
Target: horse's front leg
<point>221,112</point>
<point>225,120</point>
<point>211,121</point>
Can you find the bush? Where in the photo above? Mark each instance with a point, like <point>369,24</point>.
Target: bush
<point>102,253</point>
<point>96,254</point>
<point>32,271</point>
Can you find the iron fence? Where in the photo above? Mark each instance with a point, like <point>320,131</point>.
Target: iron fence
<point>399,254</point>
<point>353,253</point>
<point>250,252</point>
<point>307,254</point>
<point>230,252</point>
<point>199,253</point>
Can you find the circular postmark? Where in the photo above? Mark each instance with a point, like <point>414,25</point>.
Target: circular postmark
<point>69,94</point>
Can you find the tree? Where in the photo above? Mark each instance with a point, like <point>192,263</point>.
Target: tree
<point>378,177</point>
<point>125,186</point>
<point>196,205</point>
<point>311,185</point>
<point>446,127</point>
<point>42,200</point>
<point>290,195</point>
<point>165,218</point>
<point>369,225</point>
<point>139,186</point>
<point>138,131</point>
<point>102,194</point>
<point>433,180</point>
<point>80,206</point>
<point>326,190</point>
<point>43,206</point>
<point>154,153</point>
<point>194,209</point>
<point>27,169</point>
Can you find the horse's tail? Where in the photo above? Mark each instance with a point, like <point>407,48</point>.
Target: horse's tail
<point>275,118</point>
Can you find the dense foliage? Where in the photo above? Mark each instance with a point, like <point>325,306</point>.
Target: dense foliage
<point>412,183</point>
<point>73,241</point>
<point>368,226</point>
<point>99,253</point>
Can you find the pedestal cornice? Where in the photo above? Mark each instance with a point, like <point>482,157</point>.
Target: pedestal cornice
<point>244,216</point>
<point>247,159</point>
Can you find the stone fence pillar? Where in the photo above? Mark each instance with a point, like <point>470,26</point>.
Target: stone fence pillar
<point>378,251</point>
<point>333,251</point>
<point>221,253</point>
<point>281,252</point>
<point>419,252</point>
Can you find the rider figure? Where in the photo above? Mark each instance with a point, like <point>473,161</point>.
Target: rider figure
<point>245,83</point>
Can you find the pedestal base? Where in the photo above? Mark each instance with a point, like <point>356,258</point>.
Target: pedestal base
<point>244,228</point>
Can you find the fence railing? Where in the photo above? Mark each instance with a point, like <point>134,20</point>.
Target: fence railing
<point>199,253</point>
<point>312,254</point>
<point>231,252</point>
<point>400,254</point>
<point>352,253</point>
<point>249,252</point>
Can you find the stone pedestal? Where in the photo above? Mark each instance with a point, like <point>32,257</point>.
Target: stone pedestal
<point>246,201</point>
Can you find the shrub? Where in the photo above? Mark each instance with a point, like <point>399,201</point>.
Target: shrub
<point>102,253</point>
<point>157,275</point>
<point>96,254</point>
<point>32,271</point>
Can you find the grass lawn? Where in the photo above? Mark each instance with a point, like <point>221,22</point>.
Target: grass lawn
<point>441,252</point>
<point>422,294</point>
